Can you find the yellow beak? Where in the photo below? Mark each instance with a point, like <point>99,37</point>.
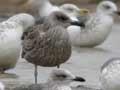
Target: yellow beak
<point>84,11</point>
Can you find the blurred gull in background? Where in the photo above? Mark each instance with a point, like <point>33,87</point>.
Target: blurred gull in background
<point>10,39</point>
<point>45,8</point>
<point>97,26</point>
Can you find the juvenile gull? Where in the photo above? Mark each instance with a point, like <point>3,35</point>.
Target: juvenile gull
<point>110,74</point>
<point>48,44</point>
<point>59,79</point>
<point>10,39</point>
<point>97,27</point>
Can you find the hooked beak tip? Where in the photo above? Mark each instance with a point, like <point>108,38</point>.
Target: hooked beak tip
<point>77,23</point>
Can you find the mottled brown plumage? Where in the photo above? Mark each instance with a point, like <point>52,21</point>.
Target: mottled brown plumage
<point>48,44</point>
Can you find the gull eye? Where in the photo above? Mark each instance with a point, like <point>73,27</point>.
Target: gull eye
<point>70,9</point>
<point>107,7</point>
<point>61,76</point>
<point>62,18</point>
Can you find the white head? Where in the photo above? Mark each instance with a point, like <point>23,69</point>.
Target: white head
<point>2,87</point>
<point>23,19</point>
<point>108,7</point>
<point>64,77</point>
<point>72,10</point>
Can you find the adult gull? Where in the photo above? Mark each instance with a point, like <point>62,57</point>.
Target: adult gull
<point>98,25</point>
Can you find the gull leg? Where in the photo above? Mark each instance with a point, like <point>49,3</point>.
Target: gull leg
<point>58,66</point>
<point>2,71</point>
<point>36,74</point>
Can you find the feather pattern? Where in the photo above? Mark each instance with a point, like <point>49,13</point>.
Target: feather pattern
<point>47,47</point>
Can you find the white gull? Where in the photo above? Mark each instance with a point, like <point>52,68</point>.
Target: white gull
<point>10,39</point>
<point>97,27</point>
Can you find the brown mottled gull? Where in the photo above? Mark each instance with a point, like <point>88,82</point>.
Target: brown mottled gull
<point>48,44</point>
<point>10,39</point>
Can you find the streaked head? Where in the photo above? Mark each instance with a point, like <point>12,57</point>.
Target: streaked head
<point>23,19</point>
<point>61,19</point>
<point>72,10</point>
<point>108,7</point>
<point>63,76</point>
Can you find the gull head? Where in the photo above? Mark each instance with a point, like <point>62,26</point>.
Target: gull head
<point>108,8</point>
<point>23,19</point>
<point>64,77</point>
<point>72,10</point>
<point>61,19</point>
<point>110,74</point>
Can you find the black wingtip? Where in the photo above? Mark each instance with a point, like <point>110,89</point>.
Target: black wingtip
<point>77,23</point>
<point>80,79</point>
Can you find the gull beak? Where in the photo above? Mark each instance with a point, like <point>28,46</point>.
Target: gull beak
<point>79,79</point>
<point>84,11</point>
<point>118,13</point>
<point>77,23</point>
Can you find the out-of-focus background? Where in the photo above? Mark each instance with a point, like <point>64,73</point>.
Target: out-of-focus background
<point>85,62</point>
<point>10,7</point>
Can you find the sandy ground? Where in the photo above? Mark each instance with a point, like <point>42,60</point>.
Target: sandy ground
<point>85,62</point>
